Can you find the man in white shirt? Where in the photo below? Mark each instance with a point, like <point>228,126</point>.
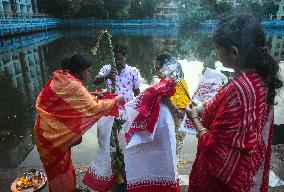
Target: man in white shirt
<point>127,77</point>
<point>99,176</point>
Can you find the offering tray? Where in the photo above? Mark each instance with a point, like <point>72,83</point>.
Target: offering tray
<point>29,182</point>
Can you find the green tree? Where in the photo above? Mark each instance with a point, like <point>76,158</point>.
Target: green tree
<point>141,9</point>
<point>123,14</point>
<point>222,8</point>
<point>192,13</point>
<point>208,3</point>
<point>135,10</point>
<point>250,6</point>
<point>94,8</point>
<point>114,8</point>
<point>149,7</point>
<point>81,8</point>
<point>270,10</point>
<point>58,8</point>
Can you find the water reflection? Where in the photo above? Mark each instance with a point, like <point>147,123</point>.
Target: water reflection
<point>22,77</point>
<point>27,62</point>
<point>15,116</point>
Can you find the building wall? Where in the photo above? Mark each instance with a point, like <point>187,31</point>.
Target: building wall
<point>24,70</point>
<point>21,6</point>
<point>277,46</point>
<point>280,13</point>
<point>169,9</point>
<point>233,2</point>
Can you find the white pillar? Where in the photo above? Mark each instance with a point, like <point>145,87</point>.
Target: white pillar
<point>6,6</point>
<point>29,9</point>
<point>280,12</point>
<point>2,65</point>
<point>18,8</point>
<point>1,7</point>
<point>11,72</point>
<point>34,6</point>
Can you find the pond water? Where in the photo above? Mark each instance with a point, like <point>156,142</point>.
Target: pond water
<point>27,62</point>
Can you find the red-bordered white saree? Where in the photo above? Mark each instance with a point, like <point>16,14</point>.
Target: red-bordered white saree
<point>150,156</point>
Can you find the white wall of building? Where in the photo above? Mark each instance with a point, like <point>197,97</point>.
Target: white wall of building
<point>280,13</point>
<point>22,6</point>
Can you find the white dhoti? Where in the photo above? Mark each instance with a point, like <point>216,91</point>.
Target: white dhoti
<point>99,176</point>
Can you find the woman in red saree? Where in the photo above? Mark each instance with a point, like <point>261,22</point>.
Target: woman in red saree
<point>235,132</point>
<point>65,110</point>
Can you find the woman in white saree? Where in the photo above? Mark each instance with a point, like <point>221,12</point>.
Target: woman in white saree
<point>150,156</point>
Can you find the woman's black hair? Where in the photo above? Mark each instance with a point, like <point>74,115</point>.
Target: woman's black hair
<point>76,63</point>
<point>244,32</point>
<point>162,57</point>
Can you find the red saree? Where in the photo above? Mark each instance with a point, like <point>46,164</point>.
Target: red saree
<point>234,155</point>
<point>66,109</point>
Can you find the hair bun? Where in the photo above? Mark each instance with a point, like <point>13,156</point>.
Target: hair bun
<point>66,64</point>
<point>76,63</point>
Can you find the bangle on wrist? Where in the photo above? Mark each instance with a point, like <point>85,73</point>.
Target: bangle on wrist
<point>201,130</point>
<point>195,118</point>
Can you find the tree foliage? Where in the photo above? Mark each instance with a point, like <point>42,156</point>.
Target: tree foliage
<point>267,10</point>
<point>191,12</point>
<point>101,9</point>
<point>91,9</point>
<point>114,8</point>
<point>140,9</point>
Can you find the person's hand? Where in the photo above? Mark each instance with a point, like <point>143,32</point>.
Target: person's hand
<point>181,113</point>
<point>199,107</point>
<point>119,99</point>
<point>205,104</point>
<point>111,75</point>
<point>191,111</point>
<point>193,103</point>
<point>98,94</point>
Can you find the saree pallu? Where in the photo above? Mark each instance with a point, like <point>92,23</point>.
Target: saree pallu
<point>150,156</point>
<point>234,155</point>
<point>65,110</point>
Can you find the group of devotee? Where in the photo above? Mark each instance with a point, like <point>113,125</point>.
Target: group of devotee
<point>234,130</point>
